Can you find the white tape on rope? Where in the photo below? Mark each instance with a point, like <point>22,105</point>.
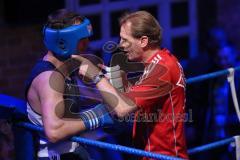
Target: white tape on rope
<point>237,143</point>
<point>233,91</point>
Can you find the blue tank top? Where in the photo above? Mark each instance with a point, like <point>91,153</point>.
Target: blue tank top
<point>74,100</point>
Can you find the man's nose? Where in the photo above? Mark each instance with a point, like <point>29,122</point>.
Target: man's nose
<point>121,45</point>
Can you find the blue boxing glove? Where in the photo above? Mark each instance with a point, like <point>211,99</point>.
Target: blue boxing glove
<point>96,117</point>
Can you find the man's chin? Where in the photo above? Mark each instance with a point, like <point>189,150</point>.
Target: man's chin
<point>129,57</point>
<point>132,59</point>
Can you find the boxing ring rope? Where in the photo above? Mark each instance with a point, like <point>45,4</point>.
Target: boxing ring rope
<point>211,146</point>
<point>206,147</point>
<point>138,152</point>
<point>210,75</point>
<point>104,145</point>
<point>230,72</point>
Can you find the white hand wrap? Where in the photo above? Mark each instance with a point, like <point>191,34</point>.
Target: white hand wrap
<point>115,78</point>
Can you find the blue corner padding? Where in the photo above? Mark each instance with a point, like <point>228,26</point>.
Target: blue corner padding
<point>12,107</point>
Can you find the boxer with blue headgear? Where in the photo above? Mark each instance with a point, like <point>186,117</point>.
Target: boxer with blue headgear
<point>63,41</point>
<point>54,100</point>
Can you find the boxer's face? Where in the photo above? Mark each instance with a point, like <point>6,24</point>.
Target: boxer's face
<point>130,44</point>
<point>82,45</point>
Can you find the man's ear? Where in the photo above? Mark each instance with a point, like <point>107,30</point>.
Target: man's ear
<point>144,41</point>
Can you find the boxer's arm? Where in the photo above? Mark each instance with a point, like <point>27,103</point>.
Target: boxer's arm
<point>57,127</point>
<point>52,108</point>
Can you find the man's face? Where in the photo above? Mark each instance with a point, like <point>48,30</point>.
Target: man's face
<point>130,44</point>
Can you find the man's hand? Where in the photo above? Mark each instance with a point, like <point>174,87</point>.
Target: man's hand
<point>115,76</point>
<point>87,68</point>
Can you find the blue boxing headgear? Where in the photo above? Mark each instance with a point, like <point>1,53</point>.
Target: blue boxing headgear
<point>63,42</point>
